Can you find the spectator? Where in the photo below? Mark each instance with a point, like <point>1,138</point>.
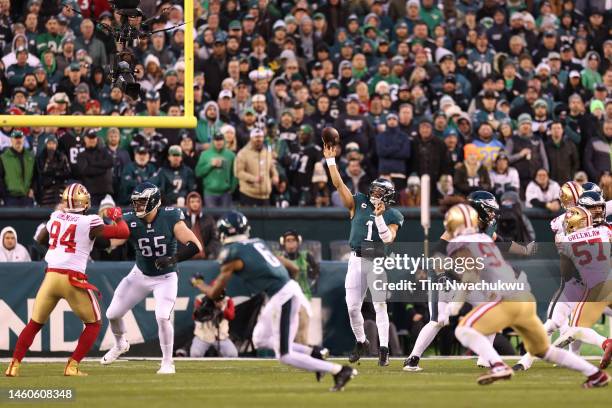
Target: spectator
<point>255,170</point>
<point>411,195</point>
<point>471,175</point>
<point>526,152</point>
<point>94,168</point>
<point>216,169</point>
<point>17,173</point>
<point>136,172</point>
<point>53,171</point>
<point>320,190</point>
<point>209,124</point>
<point>190,155</point>
<point>503,177</point>
<point>203,226</point>
<point>444,188</point>
<point>543,192</point>
<point>175,180</point>
<point>597,154</point>
<point>11,250</point>
<point>356,178</point>
<point>88,42</point>
<point>562,154</point>
<point>393,151</point>
<point>354,127</point>
<point>121,158</point>
<point>213,332</point>
<point>305,272</point>
<point>304,155</point>
<point>487,145</point>
<point>429,154</point>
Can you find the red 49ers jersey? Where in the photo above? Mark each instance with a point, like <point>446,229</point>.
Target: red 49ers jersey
<point>69,242</point>
<point>589,250</point>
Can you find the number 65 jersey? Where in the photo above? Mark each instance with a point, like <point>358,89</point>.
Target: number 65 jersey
<point>69,242</point>
<point>154,240</point>
<point>589,250</point>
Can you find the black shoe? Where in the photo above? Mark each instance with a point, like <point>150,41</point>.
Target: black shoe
<point>518,367</point>
<point>343,377</point>
<point>383,356</point>
<point>412,364</point>
<point>359,350</point>
<point>320,353</point>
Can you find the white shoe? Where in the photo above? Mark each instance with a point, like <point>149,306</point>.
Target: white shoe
<point>166,369</point>
<point>114,353</point>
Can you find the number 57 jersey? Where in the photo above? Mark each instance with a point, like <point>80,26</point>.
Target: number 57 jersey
<point>589,250</point>
<point>69,242</point>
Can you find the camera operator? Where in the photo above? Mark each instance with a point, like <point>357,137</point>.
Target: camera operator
<point>212,324</point>
<point>305,272</point>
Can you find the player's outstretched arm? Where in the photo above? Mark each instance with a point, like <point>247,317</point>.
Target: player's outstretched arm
<point>118,230</point>
<point>345,194</point>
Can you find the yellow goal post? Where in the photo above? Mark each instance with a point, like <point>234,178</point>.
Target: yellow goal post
<point>102,121</point>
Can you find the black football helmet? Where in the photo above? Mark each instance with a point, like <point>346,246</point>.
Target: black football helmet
<point>231,224</point>
<point>486,206</point>
<point>594,202</point>
<point>382,189</point>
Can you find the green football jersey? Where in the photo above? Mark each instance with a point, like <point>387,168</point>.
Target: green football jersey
<point>363,226</point>
<point>154,240</point>
<point>262,271</point>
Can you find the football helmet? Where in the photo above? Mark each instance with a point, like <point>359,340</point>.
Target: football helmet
<point>576,218</point>
<point>76,198</point>
<point>461,219</point>
<point>595,204</point>
<point>145,198</point>
<point>231,224</point>
<point>569,194</point>
<point>486,207</point>
<point>588,186</point>
<point>383,190</point>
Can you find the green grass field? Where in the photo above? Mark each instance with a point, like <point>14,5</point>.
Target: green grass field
<point>267,384</point>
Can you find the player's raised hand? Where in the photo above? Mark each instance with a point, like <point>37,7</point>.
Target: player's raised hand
<point>379,209</point>
<point>114,213</point>
<point>329,151</point>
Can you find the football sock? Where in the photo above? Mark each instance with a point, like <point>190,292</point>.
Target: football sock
<point>478,343</point>
<point>425,337</point>
<point>526,361</point>
<point>491,338</point>
<point>382,323</point>
<point>118,329</point>
<point>300,348</point>
<point>575,347</point>
<point>26,337</point>
<point>590,336</point>
<point>166,339</point>
<point>568,360</point>
<point>86,340</point>
<point>357,323</point>
<point>308,363</point>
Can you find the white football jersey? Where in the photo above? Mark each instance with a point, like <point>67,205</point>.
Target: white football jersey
<point>489,261</point>
<point>69,242</point>
<point>589,250</point>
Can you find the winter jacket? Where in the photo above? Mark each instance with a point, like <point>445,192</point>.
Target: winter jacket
<point>53,170</point>
<point>250,164</point>
<point>207,129</point>
<point>536,196</point>
<point>430,157</point>
<point>17,254</point>
<point>393,150</point>
<point>527,168</point>
<point>465,184</point>
<point>563,159</point>
<point>597,157</point>
<point>94,168</point>
<point>16,172</point>
<point>132,175</point>
<point>174,183</point>
<point>216,180</point>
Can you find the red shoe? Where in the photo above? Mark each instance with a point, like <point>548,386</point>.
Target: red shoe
<point>499,371</point>
<point>607,355</point>
<point>599,379</point>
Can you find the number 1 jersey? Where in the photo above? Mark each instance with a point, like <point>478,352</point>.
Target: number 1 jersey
<point>69,242</point>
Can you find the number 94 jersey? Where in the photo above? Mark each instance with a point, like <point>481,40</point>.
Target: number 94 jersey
<point>154,240</point>
<point>589,250</point>
<point>262,271</point>
<point>69,242</point>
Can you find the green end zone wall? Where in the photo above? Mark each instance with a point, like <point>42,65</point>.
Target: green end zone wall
<point>322,224</point>
<point>19,283</point>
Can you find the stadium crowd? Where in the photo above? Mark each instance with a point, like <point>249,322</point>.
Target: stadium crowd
<point>496,95</point>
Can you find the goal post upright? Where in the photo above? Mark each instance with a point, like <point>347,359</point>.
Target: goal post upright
<point>188,120</point>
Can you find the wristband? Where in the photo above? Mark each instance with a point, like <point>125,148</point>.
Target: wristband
<point>331,161</point>
<point>383,230</point>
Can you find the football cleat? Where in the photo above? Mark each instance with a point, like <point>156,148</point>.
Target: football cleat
<point>166,368</point>
<point>499,371</point>
<point>383,356</point>
<point>519,367</point>
<point>412,364</point>
<point>320,353</point>
<point>72,369</point>
<point>114,353</point>
<point>13,369</point>
<point>599,379</point>
<point>343,377</point>
<point>607,355</point>
<point>359,350</point>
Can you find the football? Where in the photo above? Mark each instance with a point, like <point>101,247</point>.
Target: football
<point>330,136</point>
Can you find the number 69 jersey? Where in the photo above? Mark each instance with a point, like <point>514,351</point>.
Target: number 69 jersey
<point>154,240</point>
<point>262,271</point>
<point>589,250</point>
<point>69,242</point>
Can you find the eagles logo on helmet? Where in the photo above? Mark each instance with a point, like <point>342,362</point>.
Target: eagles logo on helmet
<point>232,224</point>
<point>383,190</point>
<point>486,206</point>
<point>595,204</point>
<point>146,198</point>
